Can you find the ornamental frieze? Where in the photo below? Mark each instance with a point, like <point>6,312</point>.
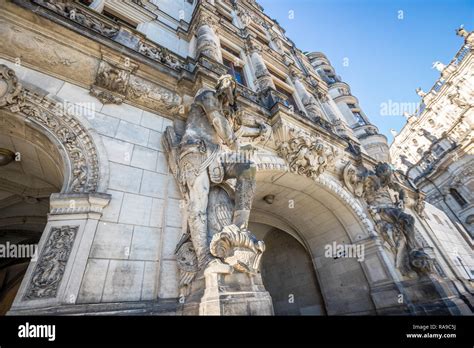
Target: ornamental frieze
<point>161,54</point>
<point>74,12</point>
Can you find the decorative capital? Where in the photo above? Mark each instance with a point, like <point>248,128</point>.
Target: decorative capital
<point>252,46</point>
<point>295,74</point>
<point>209,20</point>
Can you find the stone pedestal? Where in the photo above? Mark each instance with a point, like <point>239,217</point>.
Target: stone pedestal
<point>233,293</point>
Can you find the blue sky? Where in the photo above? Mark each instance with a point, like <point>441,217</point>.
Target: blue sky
<point>388,57</point>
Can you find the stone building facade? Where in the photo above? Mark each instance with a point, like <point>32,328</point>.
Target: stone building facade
<point>184,157</point>
<point>435,147</point>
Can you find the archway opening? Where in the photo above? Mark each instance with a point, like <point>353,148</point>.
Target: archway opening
<point>35,171</point>
<point>316,216</point>
<point>288,273</point>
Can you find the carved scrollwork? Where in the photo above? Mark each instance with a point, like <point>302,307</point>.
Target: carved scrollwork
<point>238,248</point>
<point>110,84</point>
<point>10,89</point>
<point>161,55</point>
<point>51,264</point>
<point>187,263</point>
<point>153,96</point>
<point>67,130</point>
<point>353,180</point>
<point>307,155</point>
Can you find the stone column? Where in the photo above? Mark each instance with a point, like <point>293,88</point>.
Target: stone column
<point>264,79</point>
<point>309,101</point>
<point>208,43</point>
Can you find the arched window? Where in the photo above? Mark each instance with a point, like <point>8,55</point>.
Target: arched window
<point>457,197</point>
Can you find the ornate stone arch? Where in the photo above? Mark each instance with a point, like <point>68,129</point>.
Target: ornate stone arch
<point>268,161</point>
<point>84,173</point>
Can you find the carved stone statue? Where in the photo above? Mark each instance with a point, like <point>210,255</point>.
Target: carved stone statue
<point>386,198</point>
<point>203,158</point>
<point>420,92</point>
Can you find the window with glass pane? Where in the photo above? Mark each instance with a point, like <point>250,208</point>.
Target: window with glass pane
<point>236,71</point>
<point>290,100</point>
<point>359,119</point>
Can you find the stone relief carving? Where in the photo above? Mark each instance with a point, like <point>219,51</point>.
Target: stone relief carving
<point>115,82</point>
<point>203,159</point>
<point>247,17</point>
<point>51,264</point>
<point>385,200</point>
<point>41,51</point>
<point>154,96</point>
<point>68,131</point>
<point>161,54</point>
<point>307,155</point>
<point>73,11</point>
<point>187,263</point>
<point>111,83</point>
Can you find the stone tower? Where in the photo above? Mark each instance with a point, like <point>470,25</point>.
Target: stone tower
<point>373,143</point>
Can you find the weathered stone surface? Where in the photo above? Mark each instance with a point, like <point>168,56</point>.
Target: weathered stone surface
<point>123,281</point>
<point>112,241</point>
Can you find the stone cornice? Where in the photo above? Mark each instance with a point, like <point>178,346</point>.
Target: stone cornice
<point>66,204</point>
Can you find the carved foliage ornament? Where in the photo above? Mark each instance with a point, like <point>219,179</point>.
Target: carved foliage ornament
<point>111,83</point>
<point>307,155</point>
<point>161,54</point>
<point>51,264</point>
<point>52,116</point>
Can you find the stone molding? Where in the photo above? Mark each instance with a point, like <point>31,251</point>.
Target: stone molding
<point>78,203</point>
<point>68,131</point>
